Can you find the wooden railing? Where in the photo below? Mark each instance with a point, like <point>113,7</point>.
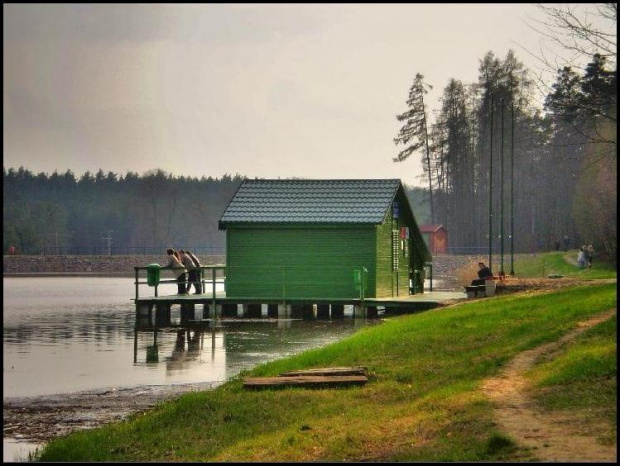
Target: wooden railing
<point>204,272</point>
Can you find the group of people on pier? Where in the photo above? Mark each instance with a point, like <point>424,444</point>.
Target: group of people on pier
<point>186,268</point>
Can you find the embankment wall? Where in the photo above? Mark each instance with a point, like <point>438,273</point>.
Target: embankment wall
<point>443,264</point>
<point>21,264</point>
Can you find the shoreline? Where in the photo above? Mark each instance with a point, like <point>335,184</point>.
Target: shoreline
<point>41,418</point>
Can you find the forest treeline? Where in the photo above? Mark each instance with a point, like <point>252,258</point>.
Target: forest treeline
<point>107,213</point>
<point>499,162</point>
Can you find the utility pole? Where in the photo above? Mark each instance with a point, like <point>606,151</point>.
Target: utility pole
<point>491,194</point>
<point>501,191</point>
<point>512,185</point>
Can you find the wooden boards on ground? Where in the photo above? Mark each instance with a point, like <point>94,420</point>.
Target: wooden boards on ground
<point>321,377</point>
<point>336,371</point>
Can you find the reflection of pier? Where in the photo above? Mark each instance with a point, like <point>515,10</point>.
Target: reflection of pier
<point>207,354</point>
<point>185,352</point>
<point>187,347</point>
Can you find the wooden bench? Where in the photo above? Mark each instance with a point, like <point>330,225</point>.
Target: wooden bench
<point>473,291</point>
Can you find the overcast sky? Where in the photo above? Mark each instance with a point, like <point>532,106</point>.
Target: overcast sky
<point>305,90</point>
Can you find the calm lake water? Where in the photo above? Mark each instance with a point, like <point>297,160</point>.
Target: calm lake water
<point>71,334</point>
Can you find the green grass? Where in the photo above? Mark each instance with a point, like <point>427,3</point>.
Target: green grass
<point>422,403</point>
<point>561,263</point>
<point>582,380</point>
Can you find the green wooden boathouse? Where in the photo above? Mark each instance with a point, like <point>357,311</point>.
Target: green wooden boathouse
<point>322,239</point>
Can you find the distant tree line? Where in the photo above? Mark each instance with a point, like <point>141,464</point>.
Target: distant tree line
<point>106,213</point>
<point>491,146</point>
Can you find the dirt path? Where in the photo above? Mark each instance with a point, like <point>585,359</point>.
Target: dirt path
<point>550,436</point>
<point>571,258</point>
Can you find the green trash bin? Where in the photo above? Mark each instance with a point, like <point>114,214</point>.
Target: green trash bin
<point>152,274</point>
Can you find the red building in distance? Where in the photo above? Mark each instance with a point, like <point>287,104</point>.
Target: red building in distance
<point>436,238</point>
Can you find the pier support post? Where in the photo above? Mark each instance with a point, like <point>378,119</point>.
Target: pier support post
<point>359,311</point>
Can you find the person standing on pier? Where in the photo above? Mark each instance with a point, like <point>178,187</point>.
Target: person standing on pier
<point>174,262</point>
<point>191,264</point>
<point>198,278</point>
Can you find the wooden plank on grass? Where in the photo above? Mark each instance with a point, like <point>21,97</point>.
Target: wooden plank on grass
<point>358,370</point>
<point>304,380</point>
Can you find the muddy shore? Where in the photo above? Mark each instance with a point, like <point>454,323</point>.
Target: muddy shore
<point>42,418</point>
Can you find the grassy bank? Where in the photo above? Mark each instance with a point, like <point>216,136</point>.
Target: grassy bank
<point>562,263</point>
<point>422,403</point>
<point>542,265</point>
<point>581,382</point>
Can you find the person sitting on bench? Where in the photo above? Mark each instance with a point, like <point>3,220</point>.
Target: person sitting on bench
<point>483,273</point>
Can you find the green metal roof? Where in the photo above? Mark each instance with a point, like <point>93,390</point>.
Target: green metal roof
<point>311,201</point>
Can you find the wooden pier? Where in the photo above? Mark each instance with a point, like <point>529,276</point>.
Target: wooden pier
<point>205,309</point>
<point>197,310</point>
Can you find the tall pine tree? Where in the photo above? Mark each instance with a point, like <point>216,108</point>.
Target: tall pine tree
<point>414,133</point>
